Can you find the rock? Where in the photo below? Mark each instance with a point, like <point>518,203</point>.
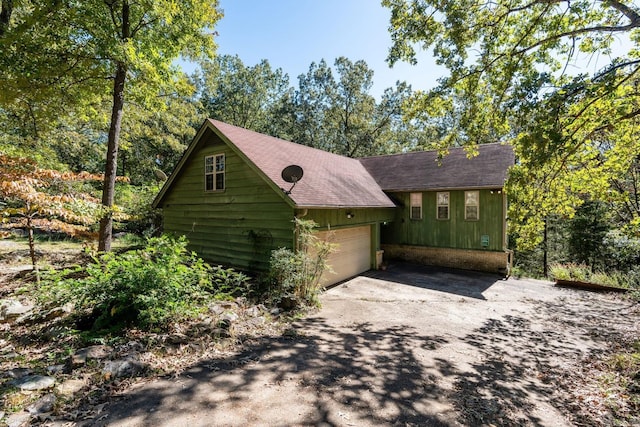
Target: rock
<point>71,387</point>
<point>19,419</point>
<point>31,317</point>
<point>216,309</point>
<point>253,311</point>
<point>18,372</point>
<point>178,339</point>
<point>123,368</point>
<point>134,346</point>
<point>42,405</point>
<point>222,306</point>
<point>275,311</point>
<point>231,317</point>
<point>10,310</point>
<point>95,352</point>
<point>33,382</point>
<point>55,369</point>
<point>257,321</point>
<point>11,355</point>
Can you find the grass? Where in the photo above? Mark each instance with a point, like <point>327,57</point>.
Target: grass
<point>583,273</point>
<point>620,384</point>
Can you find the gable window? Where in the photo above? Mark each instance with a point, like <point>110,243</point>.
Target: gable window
<point>442,211</point>
<point>416,206</point>
<point>472,205</point>
<point>214,168</point>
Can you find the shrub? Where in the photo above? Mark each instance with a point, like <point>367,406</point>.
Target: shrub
<point>295,275</point>
<point>147,287</point>
<point>228,282</point>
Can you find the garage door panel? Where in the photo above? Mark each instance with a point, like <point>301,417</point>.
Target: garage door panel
<point>352,255</point>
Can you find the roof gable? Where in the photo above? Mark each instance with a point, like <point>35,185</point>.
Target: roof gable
<point>329,180</point>
<point>421,171</point>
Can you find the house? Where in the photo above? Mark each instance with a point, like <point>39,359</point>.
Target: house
<point>228,196</point>
<point>450,212</point>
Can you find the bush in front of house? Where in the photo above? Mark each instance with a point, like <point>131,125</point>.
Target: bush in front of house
<point>147,288</point>
<point>294,276</point>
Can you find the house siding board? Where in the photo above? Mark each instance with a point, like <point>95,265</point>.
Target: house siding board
<point>456,232</point>
<point>337,218</point>
<point>238,226</point>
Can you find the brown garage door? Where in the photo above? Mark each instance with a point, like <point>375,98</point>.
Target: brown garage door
<point>353,253</point>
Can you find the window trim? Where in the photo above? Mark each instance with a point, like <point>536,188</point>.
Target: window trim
<point>417,204</point>
<point>439,205</point>
<point>477,205</point>
<point>215,173</point>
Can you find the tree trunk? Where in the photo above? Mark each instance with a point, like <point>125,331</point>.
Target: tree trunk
<point>6,9</point>
<point>545,249</point>
<point>32,249</point>
<point>111,166</point>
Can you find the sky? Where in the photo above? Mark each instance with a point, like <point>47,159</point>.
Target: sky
<point>291,34</point>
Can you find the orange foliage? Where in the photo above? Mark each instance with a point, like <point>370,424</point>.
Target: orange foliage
<point>23,185</point>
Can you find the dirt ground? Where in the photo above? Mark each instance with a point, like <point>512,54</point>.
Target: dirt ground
<point>410,346</point>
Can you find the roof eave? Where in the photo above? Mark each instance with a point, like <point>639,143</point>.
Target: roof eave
<point>343,206</point>
<point>476,187</point>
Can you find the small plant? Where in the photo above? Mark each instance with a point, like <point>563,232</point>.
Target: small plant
<point>227,281</point>
<point>295,275</point>
<point>560,272</point>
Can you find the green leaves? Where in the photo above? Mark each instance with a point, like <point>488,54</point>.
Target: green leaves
<point>147,287</point>
<point>509,80</point>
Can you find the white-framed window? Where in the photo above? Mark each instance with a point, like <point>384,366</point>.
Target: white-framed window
<point>214,168</point>
<point>415,203</point>
<point>472,205</point>
<point>442,205</point>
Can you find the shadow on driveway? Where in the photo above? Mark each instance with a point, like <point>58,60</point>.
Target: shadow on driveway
<point>460,282</point>
<point>359,375</point>
<point>406,357</point>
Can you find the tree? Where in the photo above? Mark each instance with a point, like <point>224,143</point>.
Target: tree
<point>246,96</point>
<point>341,116</point>
<point>36,198</point>
<point>587,231</point>
<point>509,80</point>
<point>80,48</point>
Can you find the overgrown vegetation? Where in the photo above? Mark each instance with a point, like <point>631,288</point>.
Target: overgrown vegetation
<point>294,276</point>
<point>146,288</point>
<point>592,247</point>
<point>583,273</point>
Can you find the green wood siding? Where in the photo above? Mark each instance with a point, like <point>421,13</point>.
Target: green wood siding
<point>238,226</point>
<point>456,232</point>
<point>338,218</point>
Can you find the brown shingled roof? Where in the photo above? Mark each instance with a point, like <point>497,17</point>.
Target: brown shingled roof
<point>420,170</point>
<point>329,180</point>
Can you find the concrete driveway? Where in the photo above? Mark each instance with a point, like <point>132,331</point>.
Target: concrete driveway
<point>407,346</point>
